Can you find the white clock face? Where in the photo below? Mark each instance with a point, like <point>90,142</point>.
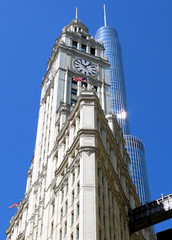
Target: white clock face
<point>85,67</point>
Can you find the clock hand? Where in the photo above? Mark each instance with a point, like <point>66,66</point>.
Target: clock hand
<point>88,65</point>
<point>83,65</point>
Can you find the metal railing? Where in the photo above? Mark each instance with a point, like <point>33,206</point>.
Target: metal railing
<point>151,213</point>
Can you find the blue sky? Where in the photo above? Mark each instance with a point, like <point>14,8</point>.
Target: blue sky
<point>28,32</point>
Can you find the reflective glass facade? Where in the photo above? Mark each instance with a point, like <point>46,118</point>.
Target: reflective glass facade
<point>109,36</point>
<point>138,167</point>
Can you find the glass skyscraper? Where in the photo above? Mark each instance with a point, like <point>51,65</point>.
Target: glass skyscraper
<point>134,146</point>
<point>109,36</point>
<point>138,167</point>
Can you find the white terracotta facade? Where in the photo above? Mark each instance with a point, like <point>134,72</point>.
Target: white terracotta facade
<point>78,185</point>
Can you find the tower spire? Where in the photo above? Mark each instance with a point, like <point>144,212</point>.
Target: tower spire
<point>105,15</point>
<point>76,15</point>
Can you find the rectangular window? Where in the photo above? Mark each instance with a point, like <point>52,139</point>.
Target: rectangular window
<point>73,177</point>
<point>66,188</point>
<point>61,216</point>
<point>62,196</point>
<point>78,188</point>
<point>100,235</point>
<point>92,51</point>
<point>110,232</point>
<point>78,169</point>
<point>99,191</point>
<point>73,196</point>
<point>71,236</point>
<point>104,221</point>
<point>52,227</point>
<point>41,229</point>
<point>74,91</point>
<point>66,206</point>
<point>74,44</point>
<point>65,227</point>
<point>98,171</point>
<point>83,47</point>
<point>55,157</point>
<point>73,101</point>
<point>77,232</point>
<point>60,234</point>
<point>53,207</point>
<point>72,217</point>
<point>78,209</point>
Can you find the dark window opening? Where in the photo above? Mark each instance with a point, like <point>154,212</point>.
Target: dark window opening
<point>73,101</point>
<point>72,217</point>
<point>83,47</point>
<point>65,228</point>
<point>77,232</point>
<point>74,44</point>
<point>92,51</point>
<point>73,196</point>
<point>60,234</point>
<point>74,82</point>
<point>83,36</point>
<point>74,91</point>
<point>78,209</point>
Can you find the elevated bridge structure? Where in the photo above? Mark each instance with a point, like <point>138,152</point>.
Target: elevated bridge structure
<point>151,213</point>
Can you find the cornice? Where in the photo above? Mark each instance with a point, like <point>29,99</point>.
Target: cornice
<point>90,57</point>
<point>60,45</point>
<point>88,41</point>
<point>77,23</point>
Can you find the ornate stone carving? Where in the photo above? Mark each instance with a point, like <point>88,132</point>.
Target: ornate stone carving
<point>89,152</point>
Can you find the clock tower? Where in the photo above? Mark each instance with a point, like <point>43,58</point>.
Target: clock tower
<point>78,184</point>
<point>77,59</point>
<point>77,63</point>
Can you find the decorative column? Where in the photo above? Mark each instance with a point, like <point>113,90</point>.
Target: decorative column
<point>97,52</point>
<point>88,213</point>
<point>88,49</point>
<point>79,88</point>
<point>79,45</point>
<point>103,96</point>
<point>65,87</point>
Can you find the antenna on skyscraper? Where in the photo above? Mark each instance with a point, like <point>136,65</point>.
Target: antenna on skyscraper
<point>76,16</point>
<point>104,15</point>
